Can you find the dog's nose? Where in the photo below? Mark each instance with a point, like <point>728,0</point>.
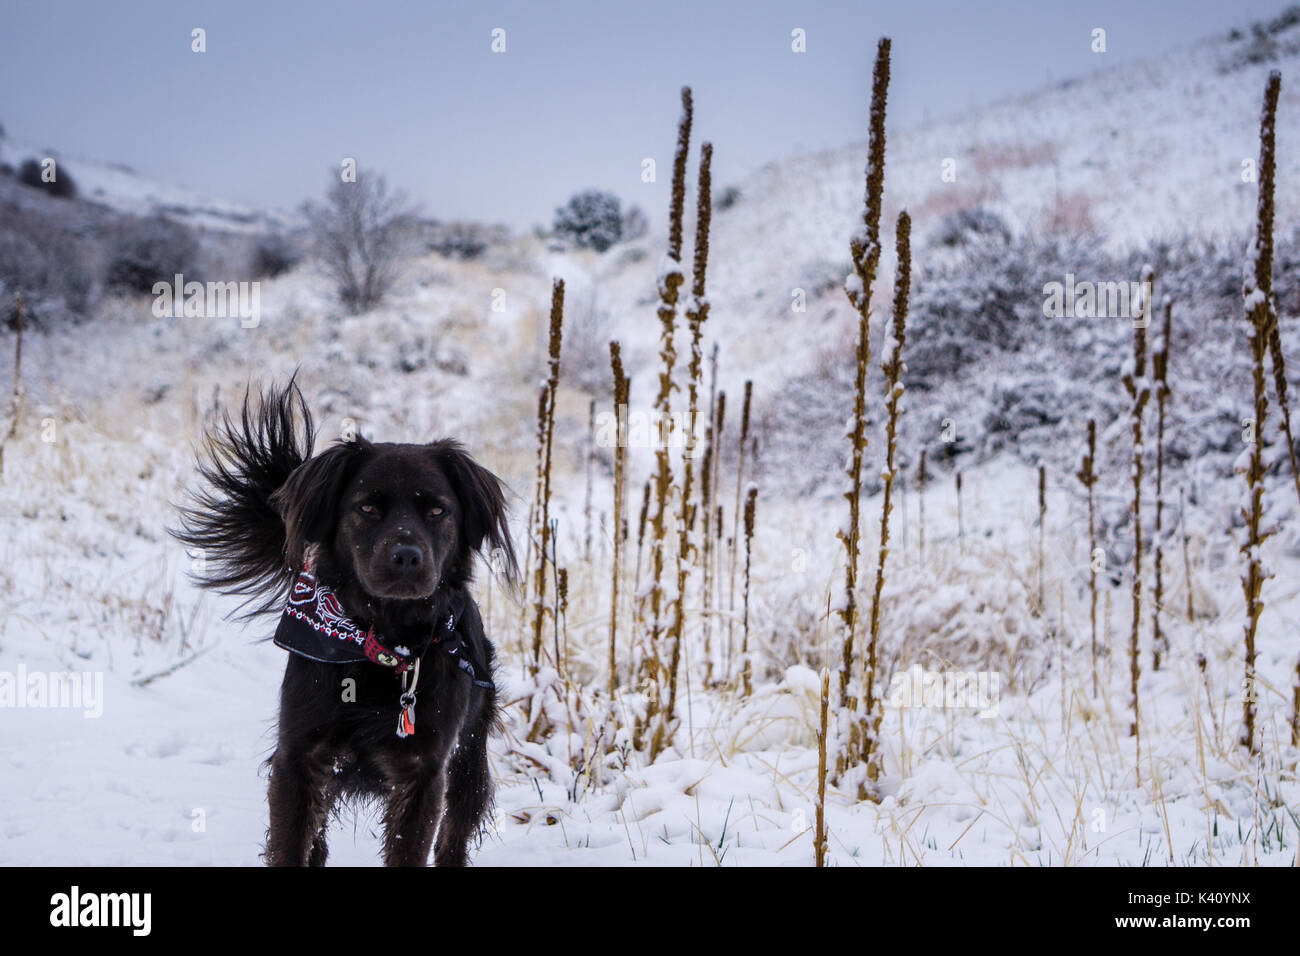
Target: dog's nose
<point>405,557</point>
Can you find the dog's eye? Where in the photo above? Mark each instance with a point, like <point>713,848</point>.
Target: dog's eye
<point>435,511</point>
<point>370,511</point>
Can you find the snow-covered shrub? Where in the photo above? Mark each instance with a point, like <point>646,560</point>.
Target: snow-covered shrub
<point>62,186</point>
<point>144,251</point>
<point>275,254</point>
<point>964,226</point>
<point>590,220</point>
<point>727,198</point>
<point>56,270</point>
<point>823,276</point>
<point>462,240</point>
<point>988,300</point>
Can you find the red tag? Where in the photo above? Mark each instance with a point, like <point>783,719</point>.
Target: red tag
<point>406,722</point>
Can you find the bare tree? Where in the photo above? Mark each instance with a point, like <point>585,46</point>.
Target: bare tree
<point>360,234</point>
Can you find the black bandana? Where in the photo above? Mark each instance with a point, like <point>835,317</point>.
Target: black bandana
<point>314,625</point>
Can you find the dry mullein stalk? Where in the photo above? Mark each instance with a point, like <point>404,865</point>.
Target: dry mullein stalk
<point>823,724</point>
<point>747,675</point>
<point>864,247</point>
<point>591,458</point>
<point>544,498</point>
<point>16,400</point>
<point>920,496</point>
<point>697,312</point>
<point>740,475</point>
<point>1187,554</point>
<point>713,540</point>
<point>1259,313</point>
<point>1160,368</point>
<point>620,505</point>
<point>892,367</point>
<point>1264,263</point>
<point>1042,524</point>
<point>562,620</point>
<point>706,602</point>
<point>670,282</point>
<point>718,544</point>
<point>961,531</point>
<point>1295,705</point>
<point>1087,477</point>
<point>1139,390</point>
<point>534,507</point>
<point>1110,646</point>
<point>640,530</point>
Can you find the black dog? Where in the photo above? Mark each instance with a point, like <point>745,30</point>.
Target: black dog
<point>388,692</point>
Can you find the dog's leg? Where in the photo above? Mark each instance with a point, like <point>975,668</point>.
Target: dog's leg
<point>411,817</point>
<point>319,848</point>
<point>300,804</point>
<point>469,791</point>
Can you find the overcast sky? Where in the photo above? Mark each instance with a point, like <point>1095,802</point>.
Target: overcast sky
<point>583,92</point>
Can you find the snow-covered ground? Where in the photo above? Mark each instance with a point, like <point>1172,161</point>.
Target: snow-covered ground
<point>1042,772</point>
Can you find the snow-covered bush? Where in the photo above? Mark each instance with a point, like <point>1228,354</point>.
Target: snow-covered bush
<point>145,251</point>
<point>61,186</point>
<point>989,300</point>
<point>275,254</point>
<point>462,240</point>
<point>590,220</point>
<point>57,271</point>
<point>970,225</point>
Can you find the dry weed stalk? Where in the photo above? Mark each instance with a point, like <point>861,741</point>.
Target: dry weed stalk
<point>670,282</point>
<point>621,387</point>
<point>1088,477</point>
<point>16,399</point>
<point>1042,525</point>
<point>921,476</point>
<point>740,476</point>
<point>823,725</point>
<point>1257,291</point>
<point>544,477</point>
<point>961,529</point>
<point>697,312</point>
<point>892,366</point>
<point>747,676</point>
<point>586,501</point>
<point>1187,554</point>
<point>706,586</point>
<point>864,247</point>
<point>640,535</point>
<point>1160,367</point>
<point>1139,390</point>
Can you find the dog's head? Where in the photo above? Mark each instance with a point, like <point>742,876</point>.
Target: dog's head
<point>398,519</point>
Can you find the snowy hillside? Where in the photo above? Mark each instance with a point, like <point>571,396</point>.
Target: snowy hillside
<point>125,190</point>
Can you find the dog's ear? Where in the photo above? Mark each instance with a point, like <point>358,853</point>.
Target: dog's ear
<point>308,502</point>
<point>483,507</point>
